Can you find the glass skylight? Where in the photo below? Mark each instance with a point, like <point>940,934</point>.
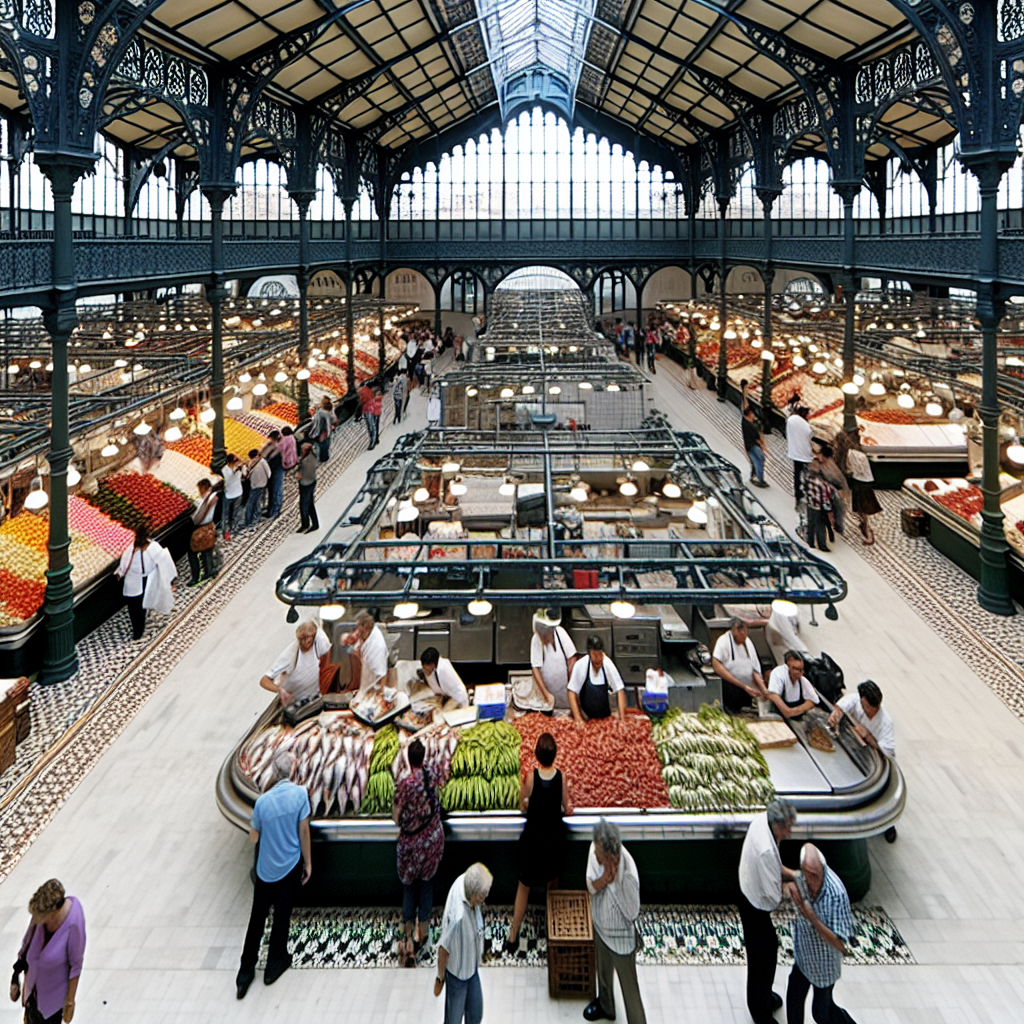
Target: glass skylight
<point>529,35</point>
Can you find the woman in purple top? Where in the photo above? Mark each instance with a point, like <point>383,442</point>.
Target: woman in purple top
<point>50,956</point>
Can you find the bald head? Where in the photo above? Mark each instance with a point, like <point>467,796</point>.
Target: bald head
<point>812,864</point>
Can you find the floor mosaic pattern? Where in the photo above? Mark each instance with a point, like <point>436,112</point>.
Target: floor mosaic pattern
<point>676,935</point>
<point>931,584</point>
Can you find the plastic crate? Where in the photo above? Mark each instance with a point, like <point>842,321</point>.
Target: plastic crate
<point>571,969</point>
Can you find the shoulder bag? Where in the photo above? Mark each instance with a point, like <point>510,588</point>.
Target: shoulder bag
<point>203,537</point>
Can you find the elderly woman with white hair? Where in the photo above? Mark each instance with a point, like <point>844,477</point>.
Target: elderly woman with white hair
<point>461,947</point>
<point>614,886</point>
<point>821,932</point>
<point>280,824</point>
<point>295,674</point>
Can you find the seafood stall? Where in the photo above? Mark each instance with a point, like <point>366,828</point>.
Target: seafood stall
<point>639,536</point>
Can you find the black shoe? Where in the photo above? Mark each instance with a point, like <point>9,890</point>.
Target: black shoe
<point>890,834</point>
<point>511,947</point>
<point>302,529</point>
<point>595,1012</point>
<point>776,1002</point>
<point>272,973</point>
<point>242,983</point>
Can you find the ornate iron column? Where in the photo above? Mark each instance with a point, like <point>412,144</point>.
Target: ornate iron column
<point>767,195</point>
<point>994,589</point>
<point>60,660</point>
<point>217,195</point>
<point>722,376</point>
<point>381,347</point>
<point>302,198</point>
<point>848,192</point>
<point>350,335</point>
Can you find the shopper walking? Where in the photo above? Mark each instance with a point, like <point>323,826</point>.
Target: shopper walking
<point>798,444</point>
<point>858,470</point>
<point>398,394</point>
<point>461,947</point>
<point>322,425</point>
<point>271,451</point>
<point>280,824</point>
<point>825,464</point>
<point>204,535</point>
<point>541,848</point>
<point>288,448</point>
<point>148,572</point>
<point>365,396</point>
<point>753,444</point>
<point>50,956</point>
<point>232,472</point>
<point>820,495</point>
<point>417,813</point>
<point>614,887</point>
<point>309,464</point>
<point>258,474</point>
<point>761,877</point>
<point>823,926</point>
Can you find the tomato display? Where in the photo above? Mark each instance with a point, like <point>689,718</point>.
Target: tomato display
<point>607,763</point>
<point>287,411</point>
<point>136,499</point>
<point>966,502</point>
<point>20,598</point>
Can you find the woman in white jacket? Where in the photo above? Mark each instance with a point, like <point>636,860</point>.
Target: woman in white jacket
<point>148,572</point>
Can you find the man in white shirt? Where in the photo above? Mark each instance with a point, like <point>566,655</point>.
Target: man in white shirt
<point>798,443</point>
<point>552,658</point>
<point>461,947</point>
<point>440,675</point>
<point>761,876</point>
<point>372,649</point>
<point>737,664</point>
<point>295,674</point>
<point>232,474</point>
<point>789,689</point>
<point>593,680</point>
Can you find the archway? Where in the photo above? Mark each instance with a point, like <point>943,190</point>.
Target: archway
<point>538,278</point>
<point>462,291</point>
<point>614,292</point>
<point>326,284</point>
<point>669,284</point>
<point>277,286</point>
<point>409,286</point>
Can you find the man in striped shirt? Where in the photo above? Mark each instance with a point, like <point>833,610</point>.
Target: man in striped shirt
<point>614,887</point>
<point>824,924</point>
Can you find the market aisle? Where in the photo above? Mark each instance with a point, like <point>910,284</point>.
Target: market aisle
<point>164,880</point>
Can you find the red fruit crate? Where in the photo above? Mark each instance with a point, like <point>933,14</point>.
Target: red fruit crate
<point>571,970</point>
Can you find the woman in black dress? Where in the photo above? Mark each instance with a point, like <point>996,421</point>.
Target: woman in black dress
<point>540,852</point>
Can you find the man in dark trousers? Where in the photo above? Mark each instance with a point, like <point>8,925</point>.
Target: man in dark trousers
<point>761,875</point>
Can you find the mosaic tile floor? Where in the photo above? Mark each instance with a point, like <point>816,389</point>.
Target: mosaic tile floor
<point>940,592</point>
<point>677,935</point>
<point>74,722</point>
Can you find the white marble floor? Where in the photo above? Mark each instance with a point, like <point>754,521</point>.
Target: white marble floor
<point>164,880</point>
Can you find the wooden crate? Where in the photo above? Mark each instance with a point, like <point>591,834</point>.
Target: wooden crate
<point>571,970</point>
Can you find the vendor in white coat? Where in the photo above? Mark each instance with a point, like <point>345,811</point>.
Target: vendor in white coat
<point>789,689</point>
<point>148,572</point>
<point>871,722</point>
<point>737,664</point>
<point>368,642</point>
<point>440,675</point>
<point>295,674</point>
<point>594,679</point>
<point>552,658</point>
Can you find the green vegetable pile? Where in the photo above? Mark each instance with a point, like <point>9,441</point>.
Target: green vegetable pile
<point>485,770</point>
<point>711,761</point>
<point>380,784</point>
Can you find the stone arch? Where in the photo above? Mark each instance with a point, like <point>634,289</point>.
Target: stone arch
<point>407,284</point>
<point>463,290</point>
<point>667,284</point>
<point>326,283</point>
<point>744,279</point>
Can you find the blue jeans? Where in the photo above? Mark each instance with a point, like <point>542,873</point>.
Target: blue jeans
<point>252,510</point>
<point>463,1000</point>
<point>424,889</point>
<point>756,456</point>
<point>307,510</point>
<point>276,491</point>
<point>325,448</point>
<point>231,507</point>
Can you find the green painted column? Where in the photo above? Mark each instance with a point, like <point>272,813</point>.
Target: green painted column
<point>722,375</point>
<point>302,199</point>
<point>217,195</point>
<point>350,333</point>
<point>848,192</point>
<point>60,661</point>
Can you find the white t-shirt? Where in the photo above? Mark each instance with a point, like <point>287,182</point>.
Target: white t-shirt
<point>607,673</point>
<point>798,439</point>
<point>761,865</point>
<point>302,680</point>
<point>780,683</point>
<point>880,726</point>
<point>135,566</point>
<point>374,652</point>
<point>739,659</point>
<point>553,661</point>
<point>447,683</point>
<point>232,481</point>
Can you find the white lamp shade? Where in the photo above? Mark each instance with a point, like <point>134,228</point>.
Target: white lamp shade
<point>245,378</point>
<point>234,404</point>
<point>627,488</point>
<point>613,387</point>
<point>876,387</point>
<point>672,490</point>
<point>507,392</point>
<point>850,388</point>
<point>554,390</point>
<point>458,489</point>
<point>471,392</point>
<point>109,451</point>
<point>172,434</point>
<point>799,361</point>
<point>697,515</point>
<point>528,389</point>
<point>622,609</point>
<point>259,389</point>
<point>640,466</point>
<point>407,514</point>
<point>303,374</point>
<point>141,429</point>
<point>450,467</point>
<point>332,612</point>
<point>578,493</point>
<point>858,379</point>
<point>280,376</point>
<point>74,477</point>
<point>480,606</point>
<point>406,610</point>
<point>933,408</point>
<point>784,607</point>
<point>818,368</point>
<point>207,416</point>
<point>905,400</point>
<point>1015,453</point>
<point>767,356</point>
<point>421,494</point>
<point>585,385</point>
<point>177,414</point>
<point>507,489</point>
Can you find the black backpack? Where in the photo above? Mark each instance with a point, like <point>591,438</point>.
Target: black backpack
<point>826,677</point>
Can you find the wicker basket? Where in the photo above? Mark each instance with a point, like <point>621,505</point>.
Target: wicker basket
<point>571,971</point>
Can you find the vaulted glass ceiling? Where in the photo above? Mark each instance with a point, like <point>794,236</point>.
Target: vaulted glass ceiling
<point>545,36</point>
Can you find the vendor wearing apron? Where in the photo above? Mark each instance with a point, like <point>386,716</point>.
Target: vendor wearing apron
<point>552,657</point>
<point>789,689</point>
<point>736,663</point>
<point>593,680</point>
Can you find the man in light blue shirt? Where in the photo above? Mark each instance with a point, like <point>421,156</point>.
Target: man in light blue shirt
<point>280,824</point>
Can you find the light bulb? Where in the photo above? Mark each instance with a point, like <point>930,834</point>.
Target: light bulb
<point>554,390</point>
<point>450,467</point>
<point>850,388</point>
<point>141,429</point>
<point>622,609</point>
<point>672,490</point>
<point>259,389</point>
<point>280,376</point>
<point>627,488</point>
<point>876,387</point>
<point>640,466</point>
<point>406,609</point>
<point>1015,453</point>
<point>74,477</point>
<point>933,408</point>
<point>479,607</point>
<point>422,494</point>
<point>303,374</point>
<point>234,404</point>
<point>207,416</point>
<point>578,493</point>
<point>507,392</point>
<point>585,385</point>
<point>528,389</point>
<point>109,450</point>
<point>905,400</point>
<point>172,434</point>
<point>177,414</point>
<point>36,499</point>
<point>332,612</point>
<point>613,387</point>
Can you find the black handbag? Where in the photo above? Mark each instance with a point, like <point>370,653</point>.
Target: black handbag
<point>826,677</point>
